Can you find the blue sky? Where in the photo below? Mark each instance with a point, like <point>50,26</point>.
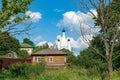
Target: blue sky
<point>51,14</point>
<point>49,17</point>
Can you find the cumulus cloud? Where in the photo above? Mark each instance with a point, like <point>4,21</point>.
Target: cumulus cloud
<point>77,21</point>
<point>44,42</point>
<point>41,43</point>
<point>79,44</point>
<point>37,39</point>
<point>50,44</point>
<point>34,16</point>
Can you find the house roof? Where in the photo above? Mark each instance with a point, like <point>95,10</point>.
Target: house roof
<point>48,52</point>
<point>25,45</point>
<point>12,52</point>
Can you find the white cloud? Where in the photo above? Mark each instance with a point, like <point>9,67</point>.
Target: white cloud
<point>94,12</point>
<point>80,43</point>
<point>79,20</point>
<point>50,44</point>
<point>37,39</point>
<point>41,43</point>
<point>34,16</point>
<point>44,42</point>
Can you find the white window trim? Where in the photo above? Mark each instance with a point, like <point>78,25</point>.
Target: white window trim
<point>65,59</point>
<point>39,59</point>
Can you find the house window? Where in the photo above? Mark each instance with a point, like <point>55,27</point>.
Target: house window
<point>39,59</point>
<point>50,59</point>
<point>10,55</point>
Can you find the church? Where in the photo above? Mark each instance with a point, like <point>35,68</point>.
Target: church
<point>63,42</point>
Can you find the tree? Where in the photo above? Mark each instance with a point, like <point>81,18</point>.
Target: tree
<point>39,48</point>
<point>22,53</point>
<point>71,58</point>
<point>108,20</point>
<point>8,44</point>
<point>12,14</point>
<point>26,40</point>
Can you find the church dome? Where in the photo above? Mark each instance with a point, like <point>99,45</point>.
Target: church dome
<point>63,30</point>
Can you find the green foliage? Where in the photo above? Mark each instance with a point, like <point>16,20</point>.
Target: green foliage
<point>116,54</point>
<point>8,43</point>
<point>12,8</point>
<point>88,59</point>
<point>97,43</point>
<point>4,74</point>
<point>74,73</point>
<point>39,48</point>
<point>26,40</point>
<point>71,58</point>
<point>26,70</point>
<point>22,53</point>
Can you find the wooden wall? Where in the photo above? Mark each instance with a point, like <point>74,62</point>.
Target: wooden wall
<point>58,61</point>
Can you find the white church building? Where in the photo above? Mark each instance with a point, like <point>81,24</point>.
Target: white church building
<point>63,42</point>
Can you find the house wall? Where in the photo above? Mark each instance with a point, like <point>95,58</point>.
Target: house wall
<point>29,50</point>
<point>57,60</point>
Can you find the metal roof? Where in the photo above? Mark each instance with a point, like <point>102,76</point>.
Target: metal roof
<point>25,45</point>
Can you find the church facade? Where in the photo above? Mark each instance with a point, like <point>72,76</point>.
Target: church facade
<point>63,42</point>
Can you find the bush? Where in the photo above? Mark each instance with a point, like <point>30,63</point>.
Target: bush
<point>22,53</point>
<point>25,70</point>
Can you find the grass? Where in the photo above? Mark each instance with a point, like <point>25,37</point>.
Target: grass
<point>73,73</point>
<point>76,74</point>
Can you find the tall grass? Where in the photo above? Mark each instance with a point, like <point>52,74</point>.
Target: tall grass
<point>77,74</point>
<point>71,73</point>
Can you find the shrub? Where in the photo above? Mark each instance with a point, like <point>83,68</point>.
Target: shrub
<point>22,53</point>
<point>25,70</point>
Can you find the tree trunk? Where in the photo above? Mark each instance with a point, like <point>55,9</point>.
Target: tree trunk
<point>110,67</point>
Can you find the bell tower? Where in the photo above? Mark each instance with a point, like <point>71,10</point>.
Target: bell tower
<point>63,42</point>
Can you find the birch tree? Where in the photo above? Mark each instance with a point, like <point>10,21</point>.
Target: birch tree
<point>108,19</point>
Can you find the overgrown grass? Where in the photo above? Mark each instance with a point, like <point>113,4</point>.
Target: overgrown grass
<point>77,74</point>
<point>71,73</point>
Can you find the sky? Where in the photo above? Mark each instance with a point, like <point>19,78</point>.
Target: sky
<point>49,17</point>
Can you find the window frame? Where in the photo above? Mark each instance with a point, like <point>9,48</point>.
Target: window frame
<point>39,59</point>
<point>51,59</point>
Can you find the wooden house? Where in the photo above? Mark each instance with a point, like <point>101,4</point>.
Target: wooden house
<point>11,54</point>
<point>52,58</point>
